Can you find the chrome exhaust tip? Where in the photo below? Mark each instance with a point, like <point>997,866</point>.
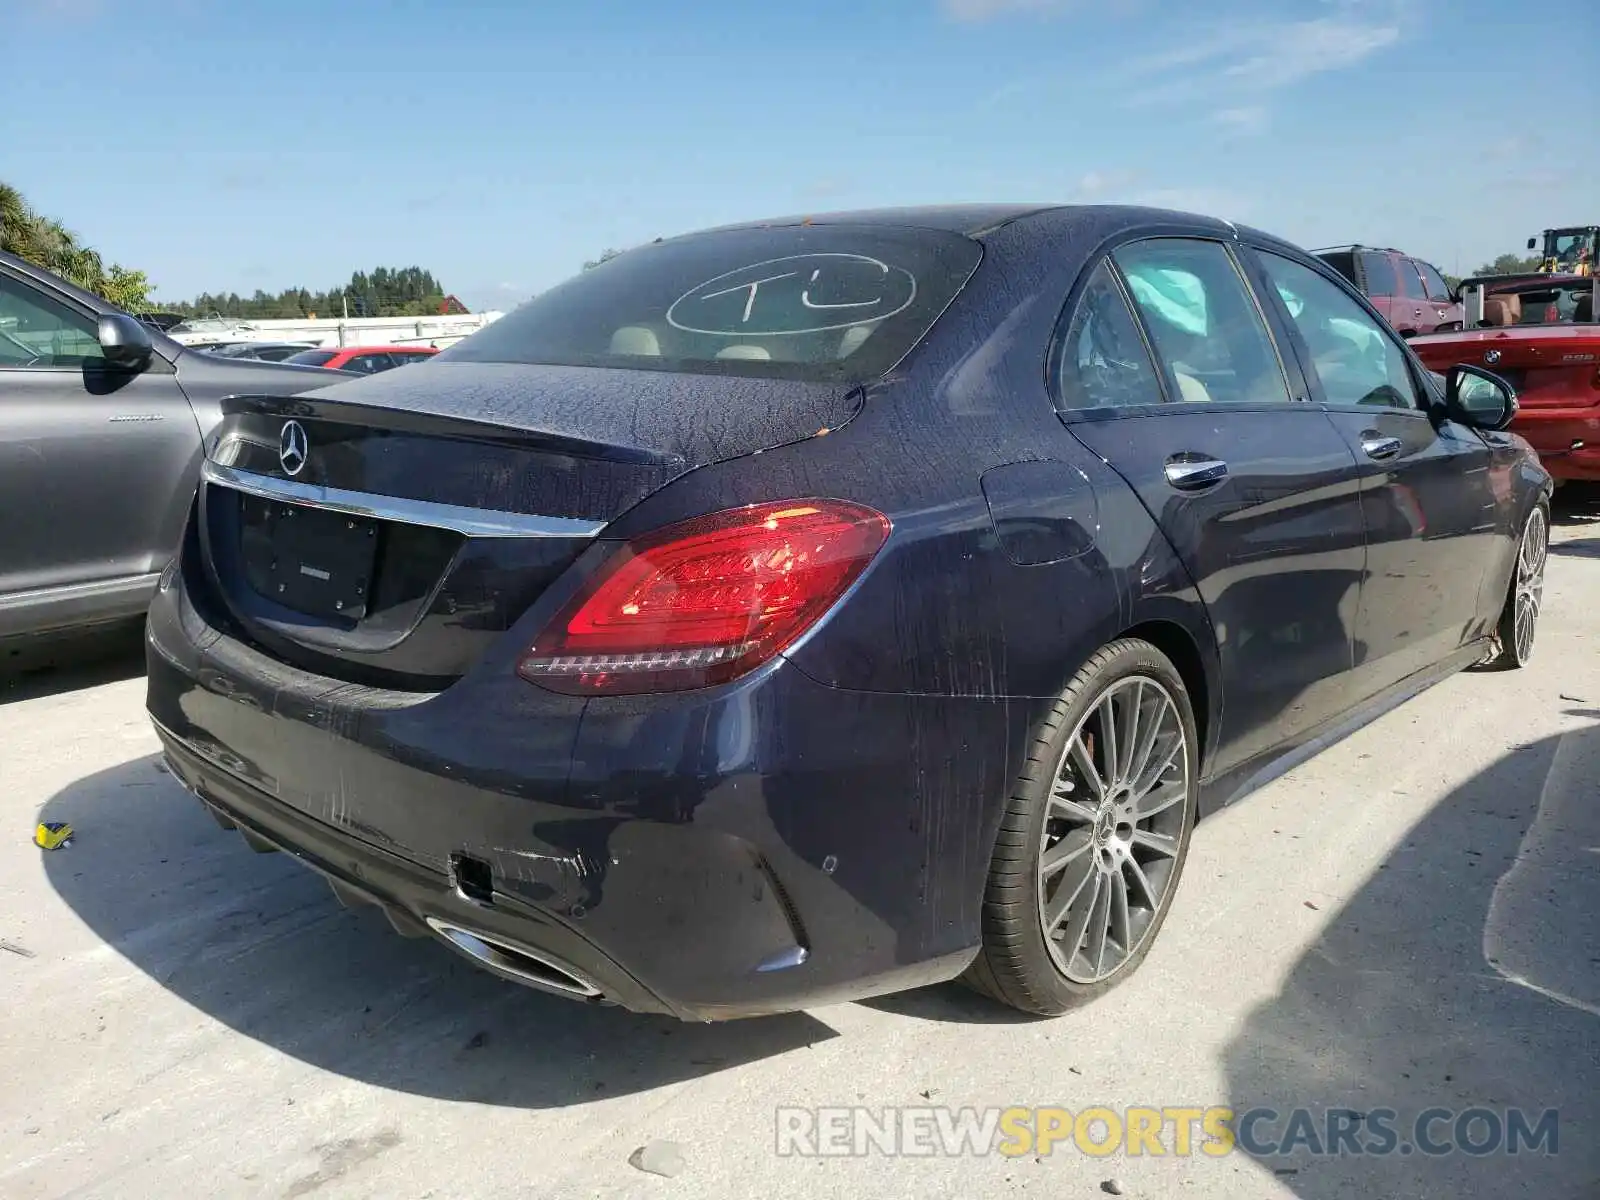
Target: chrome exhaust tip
<point>518,962</point>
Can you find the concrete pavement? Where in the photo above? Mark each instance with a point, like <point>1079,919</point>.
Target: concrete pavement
<point>1410,920</point>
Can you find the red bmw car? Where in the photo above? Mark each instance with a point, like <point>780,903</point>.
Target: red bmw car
<point>1539,334</point>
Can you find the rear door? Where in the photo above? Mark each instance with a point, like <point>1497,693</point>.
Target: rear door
<point>93,462</point>
<point>1381,283</point>
<point>1426,495</point>
<point>1412,312</point>
<point>1443,312</point>
<point>1254,489</point>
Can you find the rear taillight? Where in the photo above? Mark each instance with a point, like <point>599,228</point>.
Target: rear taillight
<point>704,601</point>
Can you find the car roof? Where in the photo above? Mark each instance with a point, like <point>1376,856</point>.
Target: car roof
<point>977,220</point>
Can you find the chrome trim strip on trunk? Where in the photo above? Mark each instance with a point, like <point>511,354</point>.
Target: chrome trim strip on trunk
<point>474,522</point>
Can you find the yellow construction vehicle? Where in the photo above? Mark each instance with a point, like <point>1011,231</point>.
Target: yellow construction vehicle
<point>1568,251</point>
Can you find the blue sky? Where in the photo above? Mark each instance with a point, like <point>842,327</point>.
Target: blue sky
<point>230,144</point>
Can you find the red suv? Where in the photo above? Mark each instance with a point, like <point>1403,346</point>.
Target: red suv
<point>1411,294</point>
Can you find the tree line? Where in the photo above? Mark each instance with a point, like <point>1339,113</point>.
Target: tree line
<point>46,242</point>
<point>385,292</point>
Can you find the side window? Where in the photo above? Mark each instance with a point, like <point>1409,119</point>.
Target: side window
<point>368,364</point>
<point>1104,363</point>
<point>1207,330</point>
<point>38,331</point>
<point>1410,282</point>
<point>1438,289</point>
<point>1356,359</point>
<point>1379,270</point>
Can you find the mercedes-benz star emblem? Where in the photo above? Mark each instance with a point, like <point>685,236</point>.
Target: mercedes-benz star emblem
<point>292,447</point>
<point>1492,357</point>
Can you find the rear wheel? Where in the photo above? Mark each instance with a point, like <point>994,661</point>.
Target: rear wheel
<point>1094,835</point>
<point>1519,620</point>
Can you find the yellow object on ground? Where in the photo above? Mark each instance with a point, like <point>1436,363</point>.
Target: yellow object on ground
<point>52,835</point>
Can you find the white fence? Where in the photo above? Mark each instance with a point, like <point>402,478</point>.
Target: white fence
<point>353,331</point>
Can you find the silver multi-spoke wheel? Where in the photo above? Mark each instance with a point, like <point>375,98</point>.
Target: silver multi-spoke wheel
<point>1114,829</point>
<point>1528,592</point>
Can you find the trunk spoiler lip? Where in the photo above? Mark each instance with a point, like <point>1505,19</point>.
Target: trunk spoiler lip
<point>470,522</point>
<point>460,428</point>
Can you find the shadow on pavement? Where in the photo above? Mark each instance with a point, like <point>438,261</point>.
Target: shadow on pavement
<point>259,943</point>
<point>1577,547</point>
<point>1465,974</point>
<point>33,670</point>
<point>1576,504</point>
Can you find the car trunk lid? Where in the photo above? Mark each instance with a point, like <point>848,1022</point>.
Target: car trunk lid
<point>1555,366</point>
<point>385,531</point>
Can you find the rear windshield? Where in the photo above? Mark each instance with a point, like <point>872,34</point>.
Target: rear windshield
<point>793,302</point>
<point>311,358</point>
<point>1343,262</point>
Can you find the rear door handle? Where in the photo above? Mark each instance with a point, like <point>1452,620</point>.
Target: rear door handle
<point>1379,447</point>
<point>1192,471</point>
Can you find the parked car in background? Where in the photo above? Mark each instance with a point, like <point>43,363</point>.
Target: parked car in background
<point>1540,336</point>
<point>260,351</point>
<point>808,610</point>
<point>1411,294</point>
<point>363,360</point>
<point>101,419</point>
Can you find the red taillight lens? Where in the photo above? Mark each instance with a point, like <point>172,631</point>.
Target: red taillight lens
<point>704,601</point>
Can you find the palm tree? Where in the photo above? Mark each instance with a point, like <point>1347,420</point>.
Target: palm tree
<point>50,244</point>
<point>19,227</point>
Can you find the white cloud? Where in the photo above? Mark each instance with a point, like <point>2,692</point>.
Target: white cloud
<point>1104,185</point>
<point>1210,202</point>
<point>989,10</point>
<point>1247,118</point>
<point>994,10</point>
<point>1255,59</point>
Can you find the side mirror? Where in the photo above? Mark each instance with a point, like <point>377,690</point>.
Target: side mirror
<point>1479,398</point>
<point>1533,243</point>
<point>125,342</point>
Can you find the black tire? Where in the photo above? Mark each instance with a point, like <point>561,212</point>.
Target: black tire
<point>1513,647</point>
<point>1017,964</point>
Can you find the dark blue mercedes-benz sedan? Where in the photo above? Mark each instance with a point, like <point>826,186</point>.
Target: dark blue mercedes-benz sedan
<point>817,608</point>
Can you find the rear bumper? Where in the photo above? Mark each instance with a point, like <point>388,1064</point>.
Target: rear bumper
<point>1552,432</point>
<point>773,845</point>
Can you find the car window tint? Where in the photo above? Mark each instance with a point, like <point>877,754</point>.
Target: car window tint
<point>1356,359</point>
<point>312,358</point>
<point>1435,284</point>
<point>1342,261</point>
<point>1379,270</point>
<point>1104,361</point>
<point>1410,282</point>
<point>1204,322</point>
<point>820,302</point>
<point>38,331</point>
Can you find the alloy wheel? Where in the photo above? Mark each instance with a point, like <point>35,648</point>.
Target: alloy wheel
<point>1531,556</point>
<point>1114,830</point>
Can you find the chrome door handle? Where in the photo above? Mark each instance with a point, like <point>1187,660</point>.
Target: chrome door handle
<point>1195,472</point>
<point>1381,447</point>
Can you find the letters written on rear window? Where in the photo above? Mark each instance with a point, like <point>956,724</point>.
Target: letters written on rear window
<point>819,302</point>
<point>804,293</point>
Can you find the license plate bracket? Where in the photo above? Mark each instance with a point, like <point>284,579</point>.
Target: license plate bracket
<point>313,561</point>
